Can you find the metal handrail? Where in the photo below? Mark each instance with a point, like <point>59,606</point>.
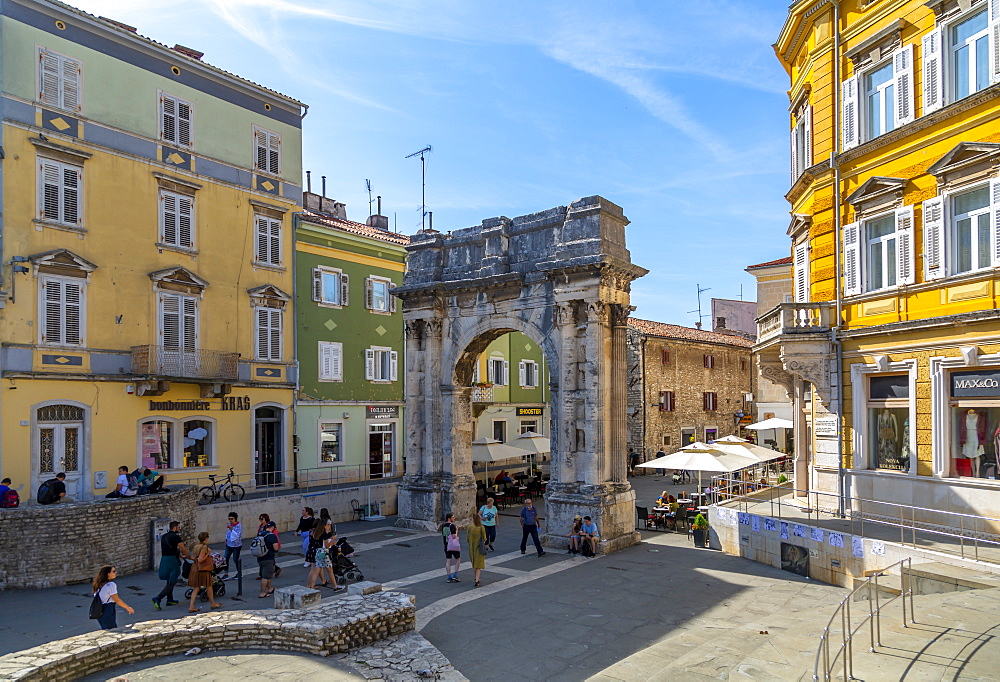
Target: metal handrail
<point>873,619</point>
<point>305,480</point>
<point>969,531</point>
<point>197,363</point>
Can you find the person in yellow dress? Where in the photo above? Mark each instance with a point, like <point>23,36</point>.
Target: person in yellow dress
<point>476,537</point>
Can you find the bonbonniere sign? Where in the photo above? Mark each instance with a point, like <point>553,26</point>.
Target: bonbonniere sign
<point>225,403</point>
<point>383,411</point>
<point>975,384</point>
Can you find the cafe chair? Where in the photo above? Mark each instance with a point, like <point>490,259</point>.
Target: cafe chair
<point>359,512</point>
<point>642,514</point>
<point>681,520</point>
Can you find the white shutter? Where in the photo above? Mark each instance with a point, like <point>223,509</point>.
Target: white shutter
<point>274,348</point>
<point>185,221</point>
<point>934,238</point>
<point>369,364</point>
<point>902,68</point>
<point>395,301</point>
<point>168,118</point>
<point>185,118</point>
<point>170,321</point>
<point>506,373</point>
<point>274,153</point>
<point>168,217</point>
<point>806,134</point>
<point>70,84</point>
<point>369,294</point>
<point>802,273</point>
<point>337,361</point>
<point>995,210</point>
<point>48,74</point>
<point>393,365</point>
<point>72,191</point>
<point>491,372</point>
<point>274,234</point>
<point>260,247</point>
<point>190,318</point>
<point>904,246</point>
<point>932,70</point>
<point>73,312</point>
<point>325,360</point>
<point>522,378</point>
<point>994,26</point>
<point>852,259</point>
<point>794,144</point>
<point>849,122</point>
<point>260,144</point>
<point>345,286</point>
<point>50,184</point>
<point>52,327</point>
<point>318,284</point>
<point>263,334</point>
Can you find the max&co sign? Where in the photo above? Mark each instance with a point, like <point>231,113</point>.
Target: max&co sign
<point>976,384</point>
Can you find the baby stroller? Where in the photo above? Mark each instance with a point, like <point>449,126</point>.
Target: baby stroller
<point>344,569</point>
<point>218,584</point>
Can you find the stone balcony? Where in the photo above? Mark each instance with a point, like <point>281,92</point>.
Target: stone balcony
<point>795,340</point>
<point>794,318</point>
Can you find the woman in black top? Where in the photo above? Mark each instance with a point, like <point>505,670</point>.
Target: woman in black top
<point>305,526</point>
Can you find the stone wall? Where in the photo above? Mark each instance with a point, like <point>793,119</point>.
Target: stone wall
<point>636,385</point>
<point>61,544</point>
<point>336,626</point>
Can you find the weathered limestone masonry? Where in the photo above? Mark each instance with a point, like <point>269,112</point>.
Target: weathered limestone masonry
<point>562,277</point>
<point>62,544</point>
<point>332,627</point>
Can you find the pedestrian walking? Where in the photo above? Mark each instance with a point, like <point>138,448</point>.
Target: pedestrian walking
<point>202,572</point>
<point>304,528</point>
<point>530,526</point>
<point>475,537</point>
<point>490,516</point>
<point>633,461</point>
<point>266,562</point>
<point>452,547</point>
<point>107,591</point>
<point>660,453</point>
<point>234,545</point>
<point>172,550</point>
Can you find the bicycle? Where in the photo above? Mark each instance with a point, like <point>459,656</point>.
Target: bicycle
<point>231,492</point>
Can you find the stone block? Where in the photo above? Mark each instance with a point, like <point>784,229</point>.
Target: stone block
<point>295,597</point>
<point>364,587</point>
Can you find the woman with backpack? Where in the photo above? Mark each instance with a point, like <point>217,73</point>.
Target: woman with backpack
<point>106,591</point>
<point>202,570</point>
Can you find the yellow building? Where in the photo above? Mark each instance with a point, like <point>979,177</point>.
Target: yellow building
<point>147,249</point>
<point>892,346</point>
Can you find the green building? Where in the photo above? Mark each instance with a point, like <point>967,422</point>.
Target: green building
<point>349,336</point>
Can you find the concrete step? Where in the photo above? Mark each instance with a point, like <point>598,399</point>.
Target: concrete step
<point>888,586</point>
<point>935,578</point>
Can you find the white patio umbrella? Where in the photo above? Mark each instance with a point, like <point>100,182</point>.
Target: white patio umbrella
<point>744,447</point>
<point>532,443</point>
<point>701,457</point>
<point>772,423</point>
<point>491,450</point>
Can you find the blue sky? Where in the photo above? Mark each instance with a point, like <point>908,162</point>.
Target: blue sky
<point>676,111</point>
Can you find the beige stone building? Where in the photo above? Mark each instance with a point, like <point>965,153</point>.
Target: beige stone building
<point>774,286</point>
<point>685,385</point>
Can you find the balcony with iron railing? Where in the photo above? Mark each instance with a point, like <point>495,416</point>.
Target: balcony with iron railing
<point>482,394</point>
<point>794,318</point>
<point>160,361</point>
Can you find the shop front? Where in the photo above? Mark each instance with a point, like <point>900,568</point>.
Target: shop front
<point>381,423</point>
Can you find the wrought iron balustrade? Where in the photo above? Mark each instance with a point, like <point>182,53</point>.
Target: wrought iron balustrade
<point>482,394</point>
<point>162,361</point>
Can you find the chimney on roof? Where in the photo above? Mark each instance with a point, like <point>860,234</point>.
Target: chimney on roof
<point>130,29</point>
<point>320,204</point>
<point>189,52</point>
<point>697,325</point>
<point>378,220</point>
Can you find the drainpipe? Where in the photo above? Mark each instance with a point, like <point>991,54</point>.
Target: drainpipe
<point>841,487</point>
<point>295,345</point>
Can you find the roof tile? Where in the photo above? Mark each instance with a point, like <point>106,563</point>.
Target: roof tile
<point>787,260</point>
<point>675,331</point>
<point>328,220</point>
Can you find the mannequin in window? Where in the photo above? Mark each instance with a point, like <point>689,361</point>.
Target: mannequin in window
<point>904,446</point>
<point>971,437</point>
<point>888,454</point>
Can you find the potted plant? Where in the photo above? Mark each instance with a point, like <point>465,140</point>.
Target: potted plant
<point>699,529</point>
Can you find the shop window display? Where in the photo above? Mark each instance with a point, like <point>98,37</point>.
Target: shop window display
<point>157,443</point>
<point>889,422</point>
<point>197,435</point>
<point>976,442</point>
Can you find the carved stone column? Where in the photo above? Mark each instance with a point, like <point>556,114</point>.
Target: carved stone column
<point>619,392</point>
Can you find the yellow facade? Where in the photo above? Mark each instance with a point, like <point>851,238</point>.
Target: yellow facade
<point>895,204</point>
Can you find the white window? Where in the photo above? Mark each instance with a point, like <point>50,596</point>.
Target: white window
<point>963,57</point>
<point>268,333</point>
<point>377,295</point>
<point>267,150</point>
<point>527,374</point>
<point>878,253</point>
<point>529,426</point>
<point>960,231</point>
<point>971,230</point>
<point>330,286</point>
<point>969,53</point>
<point>331,442</point>
<point>380,364</point>
<point>500,430</point>
<point>62,311</point>
<point>176,219</point>
<point>268,240</point>
<point>60,195</point>
<point>802,141</point>
<point>178,322</point>
<point>801,266</point>
<point>176,120</point>
<point>881,252</point>
<point>331,361</point>
<point>498,372</point>
<point>59,80</point>
<point>878,99</point>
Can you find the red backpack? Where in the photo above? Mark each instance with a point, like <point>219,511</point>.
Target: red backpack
<point>10,500</point>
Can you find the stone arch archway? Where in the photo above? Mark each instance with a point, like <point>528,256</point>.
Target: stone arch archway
<point>562,277</point>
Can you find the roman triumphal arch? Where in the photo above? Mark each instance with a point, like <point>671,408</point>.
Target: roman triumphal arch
<point>562,277</point>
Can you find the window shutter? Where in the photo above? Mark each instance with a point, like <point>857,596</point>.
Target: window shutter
<point>670,401</point>
<point>168,203</point>
<point>995,210</point>
<point>317,284</point>
<point>369,294</point>
<point>522,375</point>
<point>932,71</point>
<point>369,364</point>
<point>190,307</point>
<point>506,373</point>
<point>184,119</point>
<point>260,141</point>
<point>274,153</point>
<point>325,360</point>
<point>263,334</point>
<point>490,372</point>
<point>48,89</point>
<point>53,310</point>
<point>72,182</point>
<point>852,259</point>
<point>337,361</point>
<point>902,60</point>
<point>904,246</point>
<point>807,158</point>
<point>704,401</point>
<point>994,27</point>
<point>275,334</point>
<point>274,247</point>
<point>393,365</point>
<point>170,321</point>
<point>49,202</point>
<point>185,221</point>
<point>73,307</point>
<point>802,273</point>
<point>849,120</point>
<point>70,84</point>
<point>261,247</point>
<point>794,144</point>
<point>168,121</point>
<point>395,301</point>
<point>934,238</point>
<point>344,288</point>
<point>665,356</point>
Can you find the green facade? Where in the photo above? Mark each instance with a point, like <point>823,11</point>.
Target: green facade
<point>513,349</point>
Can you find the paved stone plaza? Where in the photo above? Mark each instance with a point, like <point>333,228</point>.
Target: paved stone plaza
<point>658,610</point>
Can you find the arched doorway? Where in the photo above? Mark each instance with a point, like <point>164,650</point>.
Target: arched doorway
<point>562,278</point>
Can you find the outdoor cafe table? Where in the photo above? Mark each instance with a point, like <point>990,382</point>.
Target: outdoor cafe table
<point>685,501</point>
<point>662,513</point>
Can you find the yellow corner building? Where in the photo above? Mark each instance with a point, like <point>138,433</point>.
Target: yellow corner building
<point>146,316</point>
<point>891,349</point>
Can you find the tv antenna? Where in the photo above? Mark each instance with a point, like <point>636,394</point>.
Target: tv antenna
<point>423,183</point>
<point>368,184</point>
<point>700,315</point>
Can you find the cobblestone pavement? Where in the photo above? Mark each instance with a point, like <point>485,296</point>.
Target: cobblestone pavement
<point>253,665</point>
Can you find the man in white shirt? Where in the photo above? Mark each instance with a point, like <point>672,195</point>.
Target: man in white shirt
<point>122,488</point>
